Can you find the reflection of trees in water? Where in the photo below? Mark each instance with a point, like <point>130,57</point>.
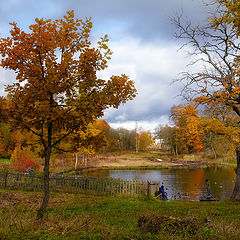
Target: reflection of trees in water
<point>189,184</point>
<point>221,181</point>
<point>194,186</point>
<point>186,184</point>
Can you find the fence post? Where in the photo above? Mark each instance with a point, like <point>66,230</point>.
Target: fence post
<point>148,189</point>
<point>5,178</point>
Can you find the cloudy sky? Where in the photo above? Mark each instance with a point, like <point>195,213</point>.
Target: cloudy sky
<point>141,38</point>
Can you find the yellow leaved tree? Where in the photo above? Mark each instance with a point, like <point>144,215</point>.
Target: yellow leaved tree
<point>57,90</point>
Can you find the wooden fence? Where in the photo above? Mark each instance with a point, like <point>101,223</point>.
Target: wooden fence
<point>78,184</point>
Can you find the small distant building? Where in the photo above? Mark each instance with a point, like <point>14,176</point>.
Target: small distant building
<point>159,142</point>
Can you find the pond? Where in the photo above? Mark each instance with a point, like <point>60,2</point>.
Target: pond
<point>185,183</point>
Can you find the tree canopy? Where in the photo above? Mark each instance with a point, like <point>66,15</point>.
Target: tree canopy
<point>188,131</point>
<point>57,90</point>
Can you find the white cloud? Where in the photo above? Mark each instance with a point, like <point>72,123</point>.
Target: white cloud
<point>6,77</point>
<point>121,117</point>
<point>141,125</point>
<point>140,37</point>
<point>153,67</point>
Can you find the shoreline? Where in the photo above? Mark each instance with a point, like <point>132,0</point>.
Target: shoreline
<point>131,161</point>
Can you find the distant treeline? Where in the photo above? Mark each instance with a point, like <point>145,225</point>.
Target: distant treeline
<point>209,131</point>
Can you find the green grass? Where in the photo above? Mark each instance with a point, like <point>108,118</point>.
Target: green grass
<point>4,163</point>
<point>4,160</point>
<point>72,216</point>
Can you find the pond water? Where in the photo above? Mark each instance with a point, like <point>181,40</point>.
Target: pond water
<point>185,183</point>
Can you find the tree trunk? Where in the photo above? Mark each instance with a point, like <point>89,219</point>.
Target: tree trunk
<point>46,195</point>
<point>76,162</point>
<point>213,150</point>
<point>83,158</point>
<point>86,160</point>
<point>176,150</point>
<point>47,154</point>
<point>172,147</point>
<point>236,190</point>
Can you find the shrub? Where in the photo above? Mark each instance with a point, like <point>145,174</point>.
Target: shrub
<point>22,159</point>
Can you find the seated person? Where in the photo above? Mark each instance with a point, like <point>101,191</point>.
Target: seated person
<point>162,193</point>
<point>208,189</point>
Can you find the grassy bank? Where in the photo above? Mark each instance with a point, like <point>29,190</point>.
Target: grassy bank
<point>88,217</point>
<point>151,161</point>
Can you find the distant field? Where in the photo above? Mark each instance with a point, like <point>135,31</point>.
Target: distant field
<point>127,159</point>
<point>133,160</point>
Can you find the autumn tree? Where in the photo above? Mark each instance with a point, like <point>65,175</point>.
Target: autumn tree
<point>6,139</point>
<point>26,152</point>
<point>123,139</point>
<point>89,141</point>
<point>119,139</point>
<point>145,140</point>
<point>188,131</point>
<point>231,16</point>
<point>6,143</point>
<point>57,90</point>
<point>167,136</point>
<point>219,133</point>
<point>218,123</point>
<point>23,158</point>
<point>216,48</point>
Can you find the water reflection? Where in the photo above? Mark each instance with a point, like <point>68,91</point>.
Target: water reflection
<point>186,184</point>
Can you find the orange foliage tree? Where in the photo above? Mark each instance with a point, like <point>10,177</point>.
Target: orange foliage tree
<point>216,47</point>
<point>23,159</point>
<point>189,133</point>
<point>231,16</point>
<point>57,89</point>
<point>25,152</point>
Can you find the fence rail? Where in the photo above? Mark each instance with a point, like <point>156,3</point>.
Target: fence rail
<point>78,184</point>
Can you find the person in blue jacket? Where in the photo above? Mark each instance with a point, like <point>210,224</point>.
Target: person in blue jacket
<point>208,189</point>
<point>163,193</point>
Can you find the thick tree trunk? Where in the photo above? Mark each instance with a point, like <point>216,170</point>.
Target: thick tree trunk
<point>48,149</point>
<point>236,190</point>
<point>46,195</point>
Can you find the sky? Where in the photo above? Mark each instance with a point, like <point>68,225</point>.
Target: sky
<point>143,44</point>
